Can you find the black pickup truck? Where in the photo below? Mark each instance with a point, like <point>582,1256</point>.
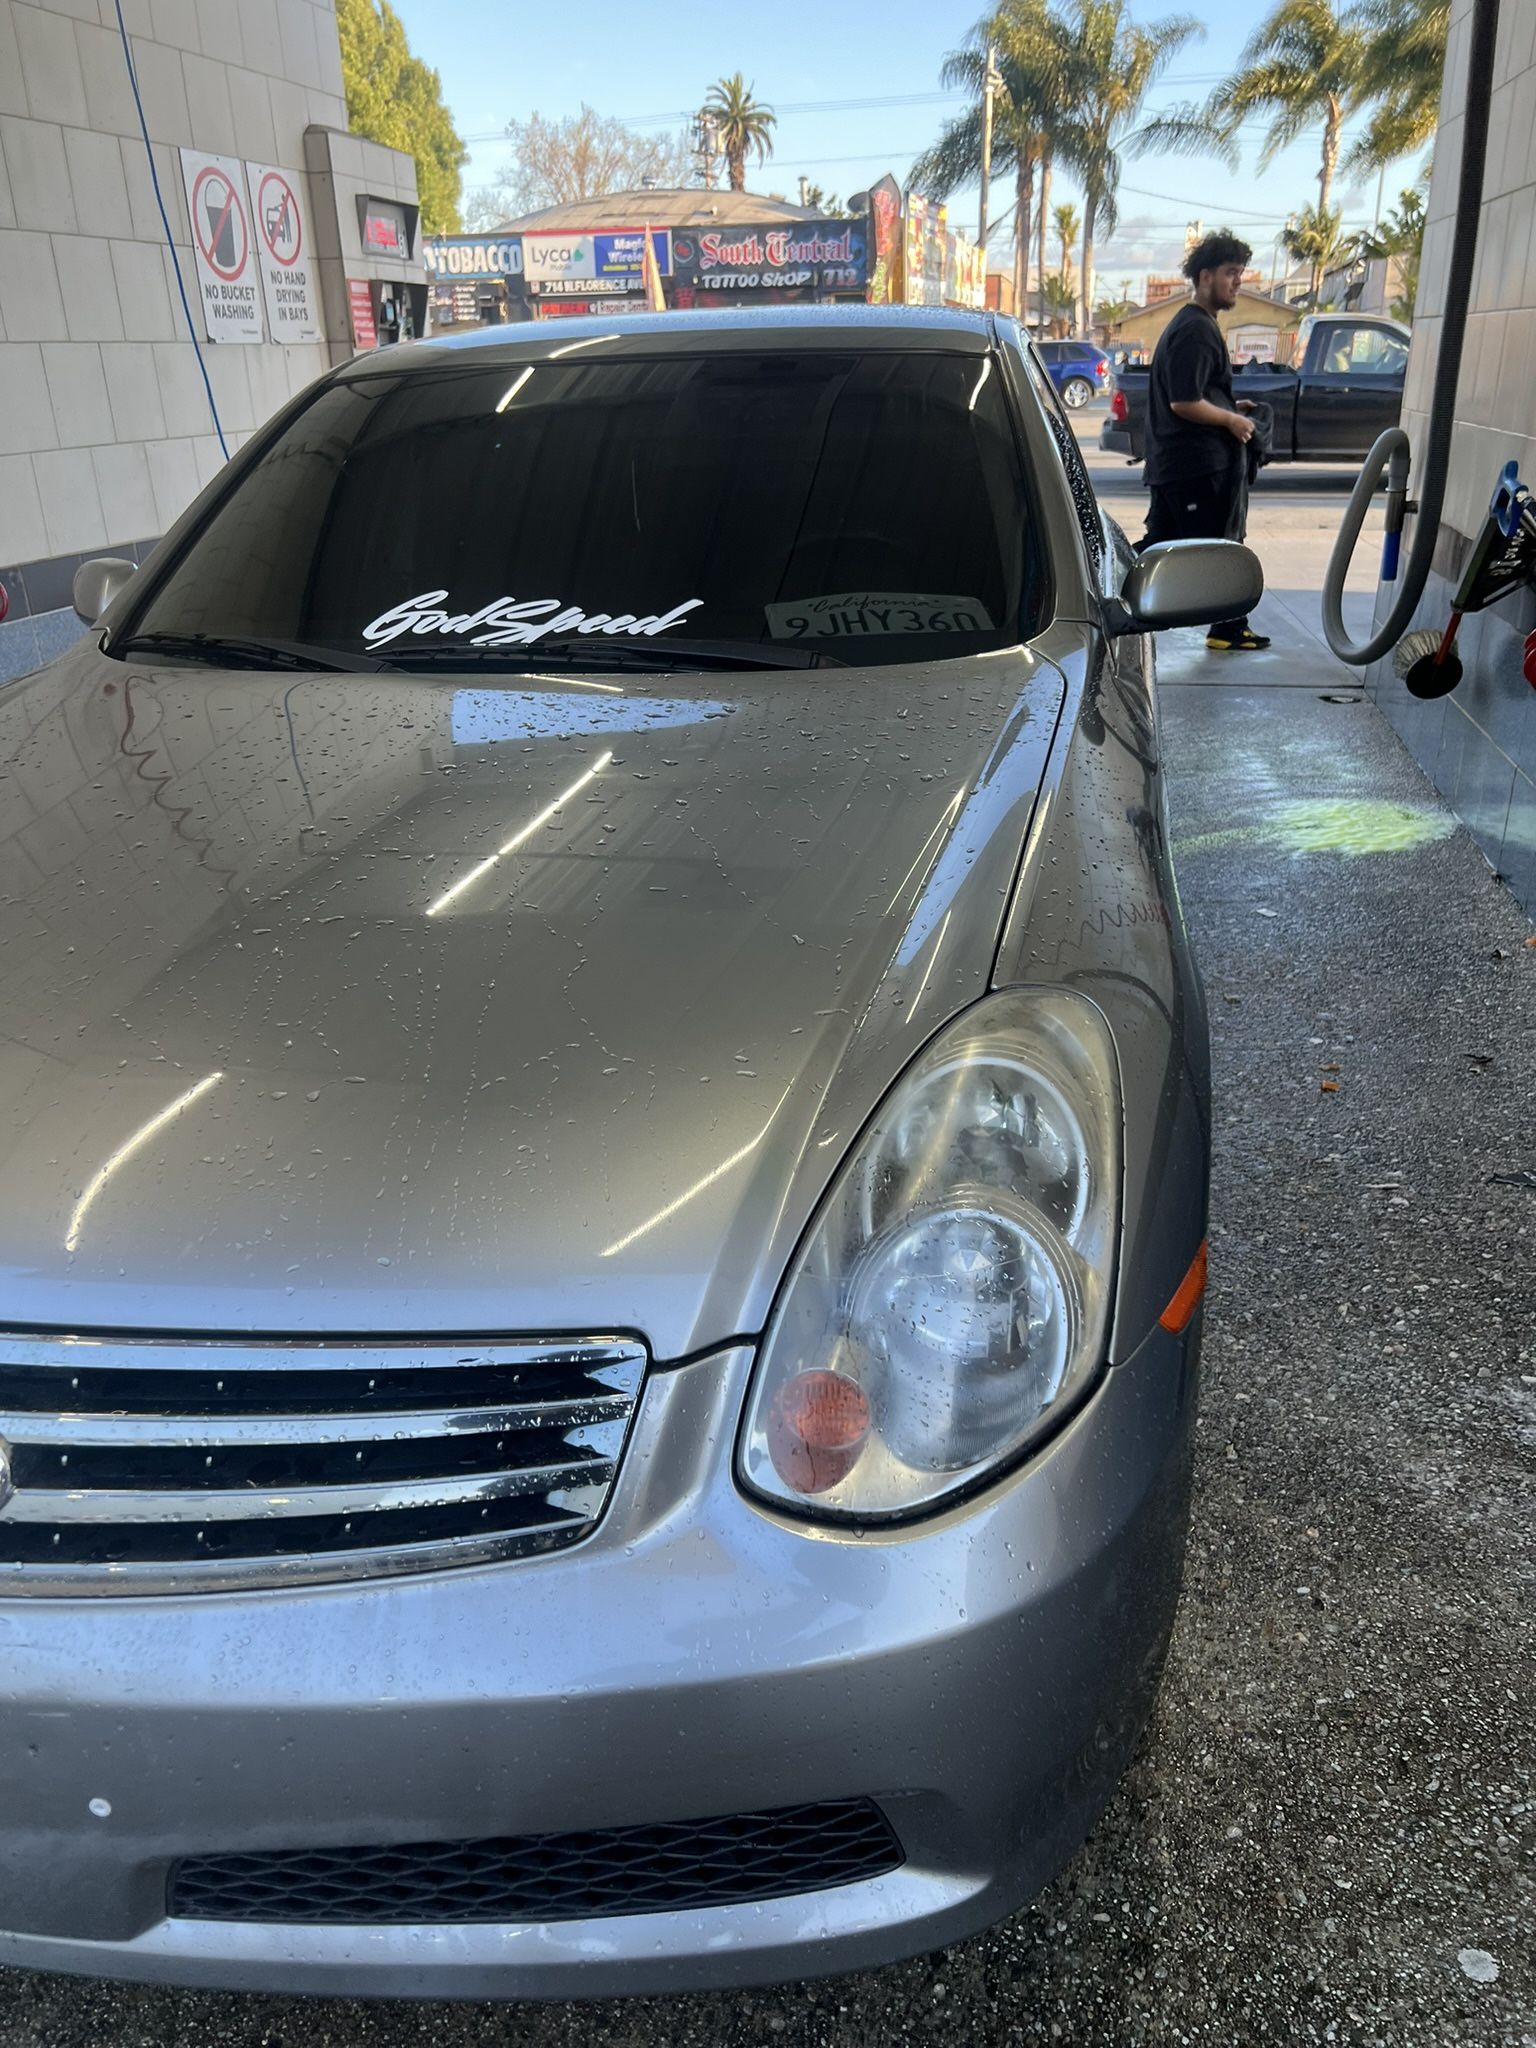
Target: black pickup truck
<point>1344,389</point>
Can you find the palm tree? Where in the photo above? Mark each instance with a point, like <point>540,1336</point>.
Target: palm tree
<point>1309,62</point>
<point>1111,63</point>
<point>1028,46</point>
<point>742,123</point>
<point>1317,236</point>
<point>1401,73</point>
<point>1110,312</point>
<point>1401,235</point>
<point>1068,227</point>
<point>1059,297</point>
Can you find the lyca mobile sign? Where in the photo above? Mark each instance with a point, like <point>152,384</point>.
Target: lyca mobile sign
<point>473,256</point>
<point>617,254</point>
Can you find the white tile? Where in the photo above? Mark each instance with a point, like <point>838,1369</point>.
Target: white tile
<point>163,92</point>
<point>82,10</point>
<point>251,102</point>
<point>213,122</point>
<point>82,414</point>
<point>26,417</point>
<point>290,117</point>
<point>50,66</point>
<point>296,26</point>
<point>173,479</point>
<point>260,37</point>
<point>268,376</point>
<point>7,209</point>
<point>346,154</point>
<point>133,390</point>
<point>22,538</point>
<point>232,386</point>
<point>328,43</point>
<point>143,214</point>
<point>209,457</point>
<point>218,28</point>
<point>96,182</point>
<point>139,268</point>
<point>379,168</point>
<point>305,364</point>
<point>137,14</point>
<point>38,174</point>
<point>127,498</point>
<point>1517,368</point>
<point>1517,252</point>
<point>66,484</point>
<point>108,95</point>
<point>326,110</point>
<point>182,393</point>
<point>13,94</point>
<point>175,22</point>
<point>29,288</point>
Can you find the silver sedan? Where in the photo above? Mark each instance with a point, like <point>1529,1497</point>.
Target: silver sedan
<point>603,1164</point>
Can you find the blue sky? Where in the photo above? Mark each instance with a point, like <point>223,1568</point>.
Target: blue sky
<point>647,65</point>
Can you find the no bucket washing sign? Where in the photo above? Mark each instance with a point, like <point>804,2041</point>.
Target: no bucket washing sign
<point>223,246</point>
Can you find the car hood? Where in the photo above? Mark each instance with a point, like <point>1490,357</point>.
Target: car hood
<point>351,1004</point>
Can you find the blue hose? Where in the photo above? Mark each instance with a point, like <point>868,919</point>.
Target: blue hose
<point>165,221</point>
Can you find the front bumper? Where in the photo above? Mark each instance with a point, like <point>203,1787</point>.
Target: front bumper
<point>982,1679</point>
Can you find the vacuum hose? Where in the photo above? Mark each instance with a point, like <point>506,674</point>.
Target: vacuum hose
<point>1392,452</point>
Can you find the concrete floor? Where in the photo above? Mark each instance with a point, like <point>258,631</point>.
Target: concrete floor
<point>1330,1828</point>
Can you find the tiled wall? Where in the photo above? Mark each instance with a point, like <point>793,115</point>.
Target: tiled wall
<point>105,428</point>
<point>1479,745</point>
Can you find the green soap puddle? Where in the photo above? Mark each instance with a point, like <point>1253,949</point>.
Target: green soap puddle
<point>1348,825</point>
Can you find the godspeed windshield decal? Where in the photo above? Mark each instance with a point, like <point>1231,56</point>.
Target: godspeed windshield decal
<point>850,614</point>
<point>508,622</point>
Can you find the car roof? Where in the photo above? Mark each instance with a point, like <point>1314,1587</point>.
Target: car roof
<point>725,330</point>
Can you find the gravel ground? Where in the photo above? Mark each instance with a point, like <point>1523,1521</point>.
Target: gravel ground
<point>1328,1834</point>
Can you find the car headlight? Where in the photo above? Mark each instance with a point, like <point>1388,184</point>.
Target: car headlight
<point>952,1297</point>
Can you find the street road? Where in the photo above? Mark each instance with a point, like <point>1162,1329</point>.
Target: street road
<point>1328,1834</point>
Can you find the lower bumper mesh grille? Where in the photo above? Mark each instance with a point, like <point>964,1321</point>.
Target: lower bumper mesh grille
<point>670,1867</point>
<point>178,1466</point>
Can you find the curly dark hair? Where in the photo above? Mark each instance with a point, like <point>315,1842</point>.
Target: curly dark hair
<point>1212,251</point>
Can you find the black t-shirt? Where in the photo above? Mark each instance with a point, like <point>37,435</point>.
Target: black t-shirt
<point>1189,363</point>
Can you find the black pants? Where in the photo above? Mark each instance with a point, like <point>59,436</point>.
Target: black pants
<point>1202,508</point>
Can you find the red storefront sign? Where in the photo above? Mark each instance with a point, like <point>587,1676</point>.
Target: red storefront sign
<point>360,300</point>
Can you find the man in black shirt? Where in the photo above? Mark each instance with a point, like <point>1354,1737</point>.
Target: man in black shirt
<point>1196,432</point>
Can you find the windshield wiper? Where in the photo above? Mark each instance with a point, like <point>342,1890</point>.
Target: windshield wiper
<point>240,651</point>
<point>655,656</point>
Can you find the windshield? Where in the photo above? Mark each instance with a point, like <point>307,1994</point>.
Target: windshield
<point>871,506</point>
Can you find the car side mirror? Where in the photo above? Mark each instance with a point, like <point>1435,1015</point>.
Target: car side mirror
<point>97,584</point>
<point>1188,583</point>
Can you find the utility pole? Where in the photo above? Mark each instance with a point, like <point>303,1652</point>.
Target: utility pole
<point>706,146</point>
<point>989,85</point>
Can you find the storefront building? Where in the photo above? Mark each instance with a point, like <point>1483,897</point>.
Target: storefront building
<point>709,249</point>
<point>815,263</point>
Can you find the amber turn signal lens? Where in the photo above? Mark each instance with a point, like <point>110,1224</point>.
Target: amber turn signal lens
<point>1179,1313</point>
<point>817,1428</point>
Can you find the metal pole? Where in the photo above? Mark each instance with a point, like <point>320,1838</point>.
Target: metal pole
<point>986,143</point>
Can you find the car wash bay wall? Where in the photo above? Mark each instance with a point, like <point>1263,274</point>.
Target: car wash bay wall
<point>1479,745</point>
<point>106,431</point>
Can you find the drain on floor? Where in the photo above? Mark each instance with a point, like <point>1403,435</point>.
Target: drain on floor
<point>1330,697</point>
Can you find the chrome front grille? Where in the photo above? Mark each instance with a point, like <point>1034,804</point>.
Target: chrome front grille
<point>183,1466</point>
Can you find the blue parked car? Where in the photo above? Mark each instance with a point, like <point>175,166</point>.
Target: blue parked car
<point>1079,369</point>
